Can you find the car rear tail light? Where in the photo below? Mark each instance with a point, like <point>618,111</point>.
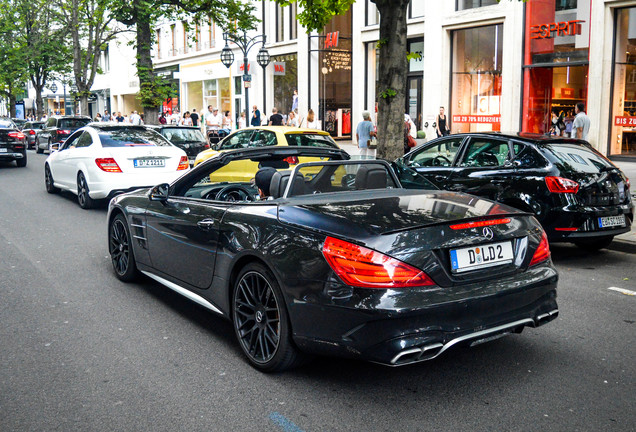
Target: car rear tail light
<point>207,146</point>
<point>108,165</point>
<point>183,163</point>
<point>31,132</point>
<point>479,224</point>
<point>561,185</point>
<point>18,135</point>
<point>627,183</point>
<point>362,267</point>
<point>543,251</point>
<point>566,229</point>
<point>292,160</point>
<point>63,132</point>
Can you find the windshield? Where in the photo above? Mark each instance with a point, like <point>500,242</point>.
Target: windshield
<point>311,140</point>
<point>131,137</point>
<point>73,123</point>
<point>182,135</point>
<point>7,124</point>
<point>576,157</point>
<point>342,176</point>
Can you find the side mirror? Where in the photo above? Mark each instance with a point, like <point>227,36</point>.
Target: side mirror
<point>55,147</point>
<point>159,192</point>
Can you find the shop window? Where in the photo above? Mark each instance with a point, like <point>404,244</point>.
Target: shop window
<point>293,25</point>
<point>285,81</point>
<point>555,64</point>
<point>280,23</point>
<point>372,14</point>
<point>416,8</point>
<point>173,50</point>
<point>476,79</point>
<point>470,4</point>
<point>566,4</point>
<point>623,132</point>
<point>194,95</point>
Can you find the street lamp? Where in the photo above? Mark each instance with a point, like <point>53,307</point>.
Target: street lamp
<point>245,44</point>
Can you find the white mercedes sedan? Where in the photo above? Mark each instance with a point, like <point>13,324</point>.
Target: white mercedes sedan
<point>100,161</point>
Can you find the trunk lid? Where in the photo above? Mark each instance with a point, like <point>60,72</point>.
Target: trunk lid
<point>141,159</point>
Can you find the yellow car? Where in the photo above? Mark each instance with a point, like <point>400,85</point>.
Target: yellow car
<point>264,136</point>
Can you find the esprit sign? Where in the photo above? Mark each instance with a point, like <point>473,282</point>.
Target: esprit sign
<point>564,28</point>
<point>331,40</point>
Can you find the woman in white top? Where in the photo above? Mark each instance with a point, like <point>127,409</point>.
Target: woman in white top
<point>242,121</point>
<point>227,124</point>
<point>186,121</point>
<point>312,123</point>
<point>292,120</point>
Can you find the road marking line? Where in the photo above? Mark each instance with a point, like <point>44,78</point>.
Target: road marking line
<point>284,423</point>
<point>623,291</point>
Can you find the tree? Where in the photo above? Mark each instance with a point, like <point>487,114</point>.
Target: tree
<point>392,63</point>
<point>41,39</point>
<point>144,15</point>
<point>90,28</point>
<point>13,73</point>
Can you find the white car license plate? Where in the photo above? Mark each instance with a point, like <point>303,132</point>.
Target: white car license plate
<point>149,163</point>
<point>476,257</point>
<point>3,150</point>
<point>611,221</point>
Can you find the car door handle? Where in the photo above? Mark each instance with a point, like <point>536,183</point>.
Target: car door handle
<point>206,224</point>
<point>440,178</point>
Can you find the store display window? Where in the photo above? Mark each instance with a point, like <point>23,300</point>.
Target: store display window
<point>555,64</point>
<point>476,79</point>
<point>285,82</point>
<point>623,129</point>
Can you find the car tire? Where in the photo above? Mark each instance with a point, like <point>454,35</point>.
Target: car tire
<point>83,193</point>
<point>261,323</point>
<point>120,248</point>
<point>595,244</point>
<point>48,180</point>
<point>22,162</point>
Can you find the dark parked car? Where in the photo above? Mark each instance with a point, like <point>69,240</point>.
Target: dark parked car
<point>576,193</point>
<point>336,258</point>
<point>19,122</point>
<point>56,130</point>
<point>12,143</point>
<point>188,138</point>
<point>30,130</point>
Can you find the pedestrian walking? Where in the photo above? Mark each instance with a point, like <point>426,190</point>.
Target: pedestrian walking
<point>242,121</point>
<point>443,126</point>
<point>227,124</point>
<point>106,116</point>
<point>195,117</point>
<point>292,120</point>
<point>312,122</point>
<point>295,100</point>
<point>162,119</point>
<point>582,123</point>
<point>275,119</point>
<point>98,117</point>
<point>256,117</point>
<point>135,118</point>
<point>364,132</point>
<point>119,118</point>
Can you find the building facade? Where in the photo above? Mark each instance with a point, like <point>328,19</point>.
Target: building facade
<point>494,66</point>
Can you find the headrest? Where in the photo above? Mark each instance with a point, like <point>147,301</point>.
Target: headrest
<point>279,183</point>
<point>371,177</point>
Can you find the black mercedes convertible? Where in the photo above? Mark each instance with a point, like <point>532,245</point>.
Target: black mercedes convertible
<point>319,254</point>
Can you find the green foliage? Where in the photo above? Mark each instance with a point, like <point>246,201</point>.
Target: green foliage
<point>314,15</point>
<point>381,42</point>
<point>388,93</point>
<point>412,56</point>
<point>144,14</point>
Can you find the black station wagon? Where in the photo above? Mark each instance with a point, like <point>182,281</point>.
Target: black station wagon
<point>576,193</point>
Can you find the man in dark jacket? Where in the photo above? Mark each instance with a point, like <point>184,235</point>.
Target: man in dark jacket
<point>256,117</point>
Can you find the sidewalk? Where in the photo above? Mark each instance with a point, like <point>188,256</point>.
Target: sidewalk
<point>629,168</point>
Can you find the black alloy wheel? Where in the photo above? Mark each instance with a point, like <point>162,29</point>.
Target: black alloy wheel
<point>48,180</point>
<point>83,197</point>
<point>261,322</point>
<point>120,248</point>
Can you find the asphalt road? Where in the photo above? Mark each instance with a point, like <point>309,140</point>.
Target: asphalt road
<point>81,351</point>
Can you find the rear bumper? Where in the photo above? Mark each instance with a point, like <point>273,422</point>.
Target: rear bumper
<point>393,337</point>
<point>585,220</point>
<point>12,155</point>
<point>107,185</point>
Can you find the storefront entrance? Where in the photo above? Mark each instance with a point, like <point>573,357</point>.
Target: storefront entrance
<point>623,128</point>
<point>556,64</point>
